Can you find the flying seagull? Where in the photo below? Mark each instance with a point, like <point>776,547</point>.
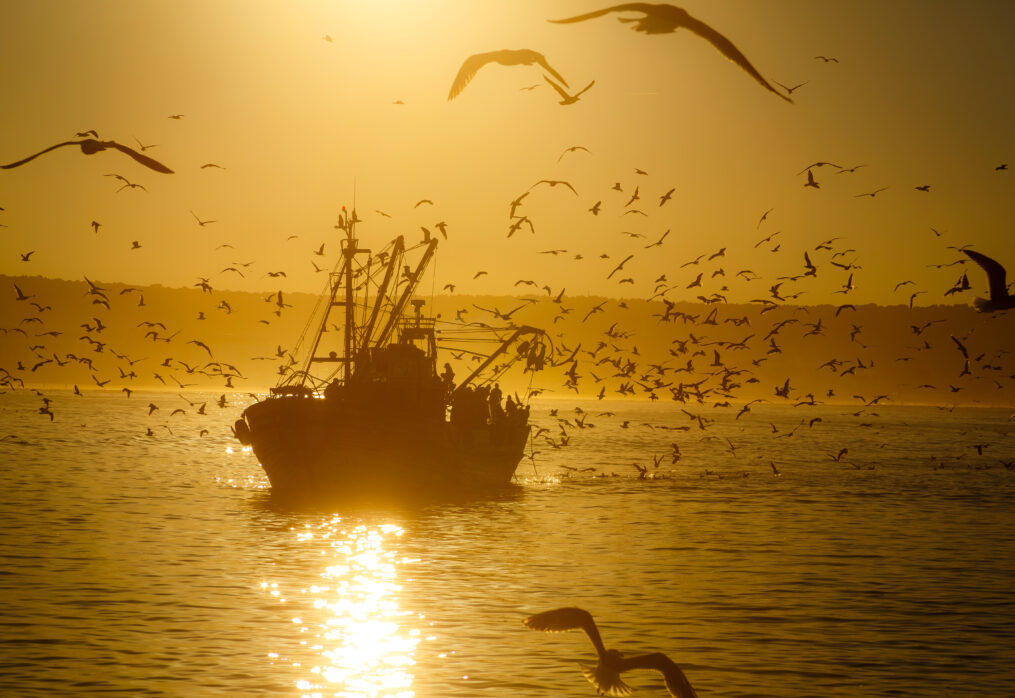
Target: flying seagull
<point>89,146</point>
<point>999,299</point>
<point>572,149</point>
<point>605,676</point>
<point>566,98</point>
<point>522,56</point>
<point>790,90</point>
<point>666,19</point>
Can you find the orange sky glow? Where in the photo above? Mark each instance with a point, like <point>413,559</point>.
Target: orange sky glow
<point>309,106</point>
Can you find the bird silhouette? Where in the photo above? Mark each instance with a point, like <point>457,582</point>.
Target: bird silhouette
<point>90,146</point>
<point>789,90</point>
<point>200,222</point>
<point>619,266</point>
<point>605,676</point>
<point>565,97</point>
<point>140,145</point>
<point>127,183</point>
<point>21,295</point>
<point>572,149</point>
<point>871,194</point>
<point>555,182</point>
<point>666,19</point>
<point>659,242</point>
<point>522,56</point>
<point>999,299</point>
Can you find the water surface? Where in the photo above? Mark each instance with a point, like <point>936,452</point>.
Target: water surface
<point>161,565</point>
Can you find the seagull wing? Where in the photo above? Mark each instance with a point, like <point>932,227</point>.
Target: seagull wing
<point>561,92</point>
<point>625,7</point>
<point>541,60</point>
<point>961,347</point>
<point>726,48</point>
<point>569,618</point>
<point>41,152</point>
<point>619,266</point>
<point>995,274</point>
<point>143,159</point>
<point>468,71</point>
<point>606,680</point>
<point>676,682</point>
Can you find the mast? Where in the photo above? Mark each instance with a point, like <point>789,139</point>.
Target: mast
<point>344,282</point>
<point>396,312</point>
<point>349,252</point>
<point>393,262</point>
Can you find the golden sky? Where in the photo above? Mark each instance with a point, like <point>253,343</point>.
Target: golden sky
<point>301,125</point>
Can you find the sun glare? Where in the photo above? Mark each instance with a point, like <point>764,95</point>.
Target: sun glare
<point>361,640</point>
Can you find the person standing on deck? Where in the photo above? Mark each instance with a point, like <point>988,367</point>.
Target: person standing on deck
<point>448,377</point>
<point>496,411</point>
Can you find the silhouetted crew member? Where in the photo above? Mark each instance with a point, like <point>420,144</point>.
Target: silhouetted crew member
<point>510,409</point>
<point>496,411</point>
<point>481,406</point>
<point>333,389</point>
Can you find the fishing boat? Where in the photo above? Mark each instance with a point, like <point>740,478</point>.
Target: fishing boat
<point>367,412</point>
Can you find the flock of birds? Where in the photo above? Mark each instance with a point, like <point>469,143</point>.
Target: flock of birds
<point>615,361</point>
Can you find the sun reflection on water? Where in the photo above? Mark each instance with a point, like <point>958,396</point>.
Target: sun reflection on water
<point>360,641</point>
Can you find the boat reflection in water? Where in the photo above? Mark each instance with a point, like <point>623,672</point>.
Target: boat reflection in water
<point>357,640</point>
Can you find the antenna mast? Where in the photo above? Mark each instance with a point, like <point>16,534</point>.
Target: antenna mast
<point>344,282</point>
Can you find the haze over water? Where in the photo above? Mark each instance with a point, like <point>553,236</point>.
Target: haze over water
<point>161,565</point>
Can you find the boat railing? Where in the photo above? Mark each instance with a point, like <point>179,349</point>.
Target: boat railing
<point>420,323</point>
<point>292,391</point>
<point>299,384</point>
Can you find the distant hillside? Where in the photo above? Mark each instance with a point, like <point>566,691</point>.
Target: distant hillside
<point>64,334</point>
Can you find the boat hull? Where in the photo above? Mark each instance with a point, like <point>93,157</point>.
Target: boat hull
<point>310,447</point>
